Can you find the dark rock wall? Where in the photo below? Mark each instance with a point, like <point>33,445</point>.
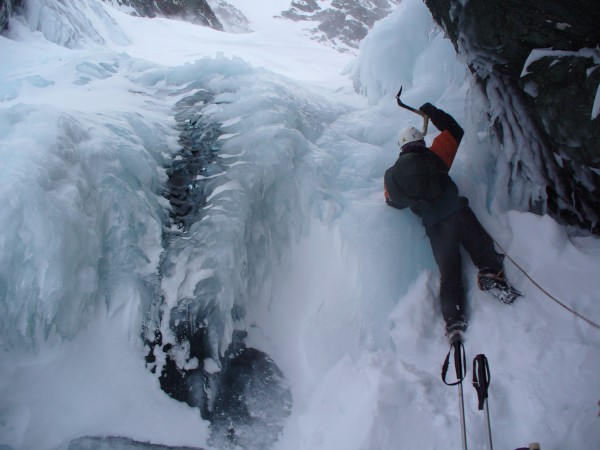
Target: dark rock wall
<point>543,101</point>
<point>505,31</point>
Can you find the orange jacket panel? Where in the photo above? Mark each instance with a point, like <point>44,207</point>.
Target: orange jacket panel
<point>445,146</point>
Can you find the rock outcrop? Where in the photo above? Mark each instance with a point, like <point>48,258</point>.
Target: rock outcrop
<point>537,64</point>
<point>232,19</point>
<point>196,11</point>
<point>344,23</point>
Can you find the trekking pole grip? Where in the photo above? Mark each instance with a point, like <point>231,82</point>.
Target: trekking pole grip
<point>460,364</point>
<point>481,378</point>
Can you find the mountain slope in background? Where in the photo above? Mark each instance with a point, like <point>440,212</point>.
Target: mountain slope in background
<point>341,23</point>
<point>196,11</point>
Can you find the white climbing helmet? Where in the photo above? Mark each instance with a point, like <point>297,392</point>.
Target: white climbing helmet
<point>409,135</point>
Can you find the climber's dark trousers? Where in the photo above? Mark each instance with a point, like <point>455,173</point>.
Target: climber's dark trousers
<point>446,237</point>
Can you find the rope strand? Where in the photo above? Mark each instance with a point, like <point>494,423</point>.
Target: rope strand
<point>550,296</point>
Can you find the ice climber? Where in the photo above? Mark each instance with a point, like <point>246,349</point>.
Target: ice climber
<point>419,180</point>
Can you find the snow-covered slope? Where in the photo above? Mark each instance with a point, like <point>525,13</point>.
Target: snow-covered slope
<point>290,243</point>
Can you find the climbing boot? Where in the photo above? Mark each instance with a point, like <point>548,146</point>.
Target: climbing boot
<point>496,284</point>
<point>455,331</point>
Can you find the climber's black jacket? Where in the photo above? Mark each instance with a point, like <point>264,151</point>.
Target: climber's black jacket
<point>419,179</point>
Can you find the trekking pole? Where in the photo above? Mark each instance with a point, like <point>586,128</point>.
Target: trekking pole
<point>460,366</point>
<point>401,104</point>
<point>481,382</point>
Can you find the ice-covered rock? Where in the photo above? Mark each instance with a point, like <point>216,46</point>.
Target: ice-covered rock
<point>70,23</point>
<point>6,8</point>
<point>542,122</point>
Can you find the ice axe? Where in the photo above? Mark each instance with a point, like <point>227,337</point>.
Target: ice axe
<point>401,104</point>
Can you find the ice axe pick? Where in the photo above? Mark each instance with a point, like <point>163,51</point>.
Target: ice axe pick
<point>401,104</point>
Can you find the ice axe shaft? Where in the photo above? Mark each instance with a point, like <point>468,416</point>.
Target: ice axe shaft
<point>401,104</point>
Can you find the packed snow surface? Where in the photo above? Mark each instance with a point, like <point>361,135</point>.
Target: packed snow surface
<point>339,289</point>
